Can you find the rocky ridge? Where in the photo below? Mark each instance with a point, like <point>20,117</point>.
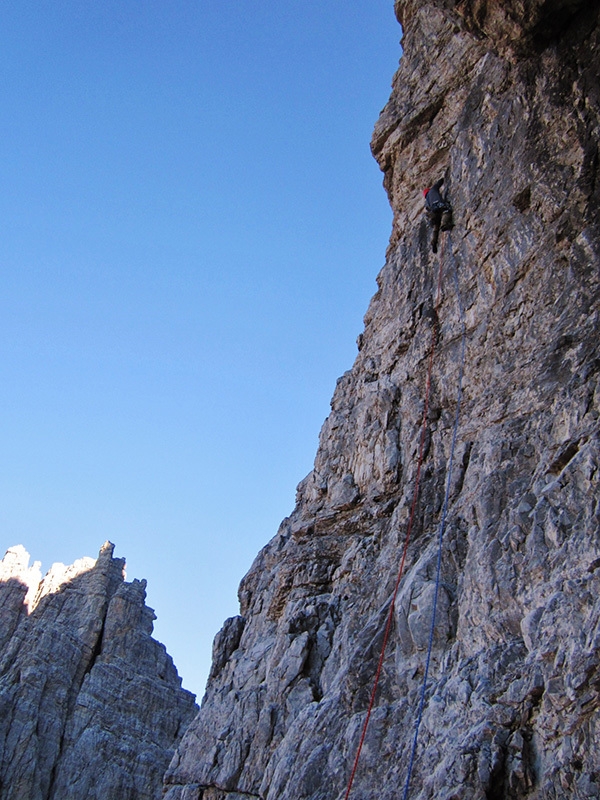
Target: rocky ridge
<point>91,707</point>
<point>502,99</point>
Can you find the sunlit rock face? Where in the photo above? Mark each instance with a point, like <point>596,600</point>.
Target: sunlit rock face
<point>91,707</point>
<point>503,100</point>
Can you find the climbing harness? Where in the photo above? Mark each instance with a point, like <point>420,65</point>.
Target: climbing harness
<point>390,616</point>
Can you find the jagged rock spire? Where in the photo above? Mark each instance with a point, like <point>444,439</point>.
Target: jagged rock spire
<point>92,706</point>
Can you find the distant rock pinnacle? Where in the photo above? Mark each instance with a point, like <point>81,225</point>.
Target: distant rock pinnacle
<point>91,706</point>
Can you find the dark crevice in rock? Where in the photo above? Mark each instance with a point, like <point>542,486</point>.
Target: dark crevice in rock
<point>97,650</point>
<point>522,200</point>
<point>566,455</point>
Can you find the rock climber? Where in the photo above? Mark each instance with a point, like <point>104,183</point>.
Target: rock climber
<point>439,212</point>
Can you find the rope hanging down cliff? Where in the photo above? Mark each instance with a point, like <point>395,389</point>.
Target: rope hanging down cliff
<point>442,527</point>
<point>390,616</point>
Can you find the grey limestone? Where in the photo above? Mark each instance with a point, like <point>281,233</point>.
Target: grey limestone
<point>502,99</point>
<point>91,706</point>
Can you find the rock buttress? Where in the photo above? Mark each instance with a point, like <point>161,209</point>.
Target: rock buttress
<point>91,707</point>
<point>502,99</point>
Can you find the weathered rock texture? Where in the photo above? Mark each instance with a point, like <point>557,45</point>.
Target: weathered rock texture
<point>91,707</point>
<point>502,98</point>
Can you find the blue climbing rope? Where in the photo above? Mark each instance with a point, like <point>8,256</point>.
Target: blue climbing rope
<point>442,523</point>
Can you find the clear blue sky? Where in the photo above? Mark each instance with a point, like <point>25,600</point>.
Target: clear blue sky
<point>192,223</point>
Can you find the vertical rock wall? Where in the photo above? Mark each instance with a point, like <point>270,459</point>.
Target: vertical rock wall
<point>91,707</point>
<point>501,97</point>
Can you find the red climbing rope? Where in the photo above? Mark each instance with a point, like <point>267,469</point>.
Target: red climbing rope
<point>441,531</point>
<point>413,508</point>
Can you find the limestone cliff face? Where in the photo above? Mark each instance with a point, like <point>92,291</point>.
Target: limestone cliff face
<point>502,98</point>
<point>91,707</point>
